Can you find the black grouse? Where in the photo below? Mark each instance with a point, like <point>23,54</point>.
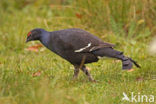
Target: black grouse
<point>79,47</point>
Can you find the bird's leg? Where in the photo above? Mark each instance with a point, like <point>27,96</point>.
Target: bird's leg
<point>76,71</point>
<point>85,70</point>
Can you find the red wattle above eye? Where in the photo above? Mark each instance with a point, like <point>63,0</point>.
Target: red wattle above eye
<point>29,34</point>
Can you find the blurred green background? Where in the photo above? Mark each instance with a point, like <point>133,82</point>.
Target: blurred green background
<point>129,24</point>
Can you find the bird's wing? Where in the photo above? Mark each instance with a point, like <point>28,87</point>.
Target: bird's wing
<point>81,41</point>
<point>101,46</point>
<point>91,47</point>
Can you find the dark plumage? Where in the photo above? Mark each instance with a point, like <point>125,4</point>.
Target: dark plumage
<point>74,45</point>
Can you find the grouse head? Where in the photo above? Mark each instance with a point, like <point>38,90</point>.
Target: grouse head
<point>34,34</point>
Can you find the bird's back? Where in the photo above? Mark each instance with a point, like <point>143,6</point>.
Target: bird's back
<point>79,38</point>
<point>66,43</point>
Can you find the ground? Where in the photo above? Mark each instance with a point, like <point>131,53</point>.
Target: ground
<point>35,75</point>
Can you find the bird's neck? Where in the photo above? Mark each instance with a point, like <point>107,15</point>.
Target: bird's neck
<point>45,37</point>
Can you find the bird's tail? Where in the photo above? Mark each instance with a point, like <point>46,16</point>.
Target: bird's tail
<point>135,63</point>
<point>127,63</point>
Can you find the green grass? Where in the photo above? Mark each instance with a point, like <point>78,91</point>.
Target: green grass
<point>55,84</point>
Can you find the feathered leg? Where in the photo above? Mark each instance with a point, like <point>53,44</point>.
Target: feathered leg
<point>127,63</point>
<point>85,70</point>
<point>76,71</point>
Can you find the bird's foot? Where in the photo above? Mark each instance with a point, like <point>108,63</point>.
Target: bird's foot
<point>130,70</point>
<point>74,78</point>
<point>92,80</point>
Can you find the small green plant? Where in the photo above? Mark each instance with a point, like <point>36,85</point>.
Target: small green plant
<point>118,17</point>
<point>129,24</point>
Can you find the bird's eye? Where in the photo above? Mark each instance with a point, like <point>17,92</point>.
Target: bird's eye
<point>29,34</point>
